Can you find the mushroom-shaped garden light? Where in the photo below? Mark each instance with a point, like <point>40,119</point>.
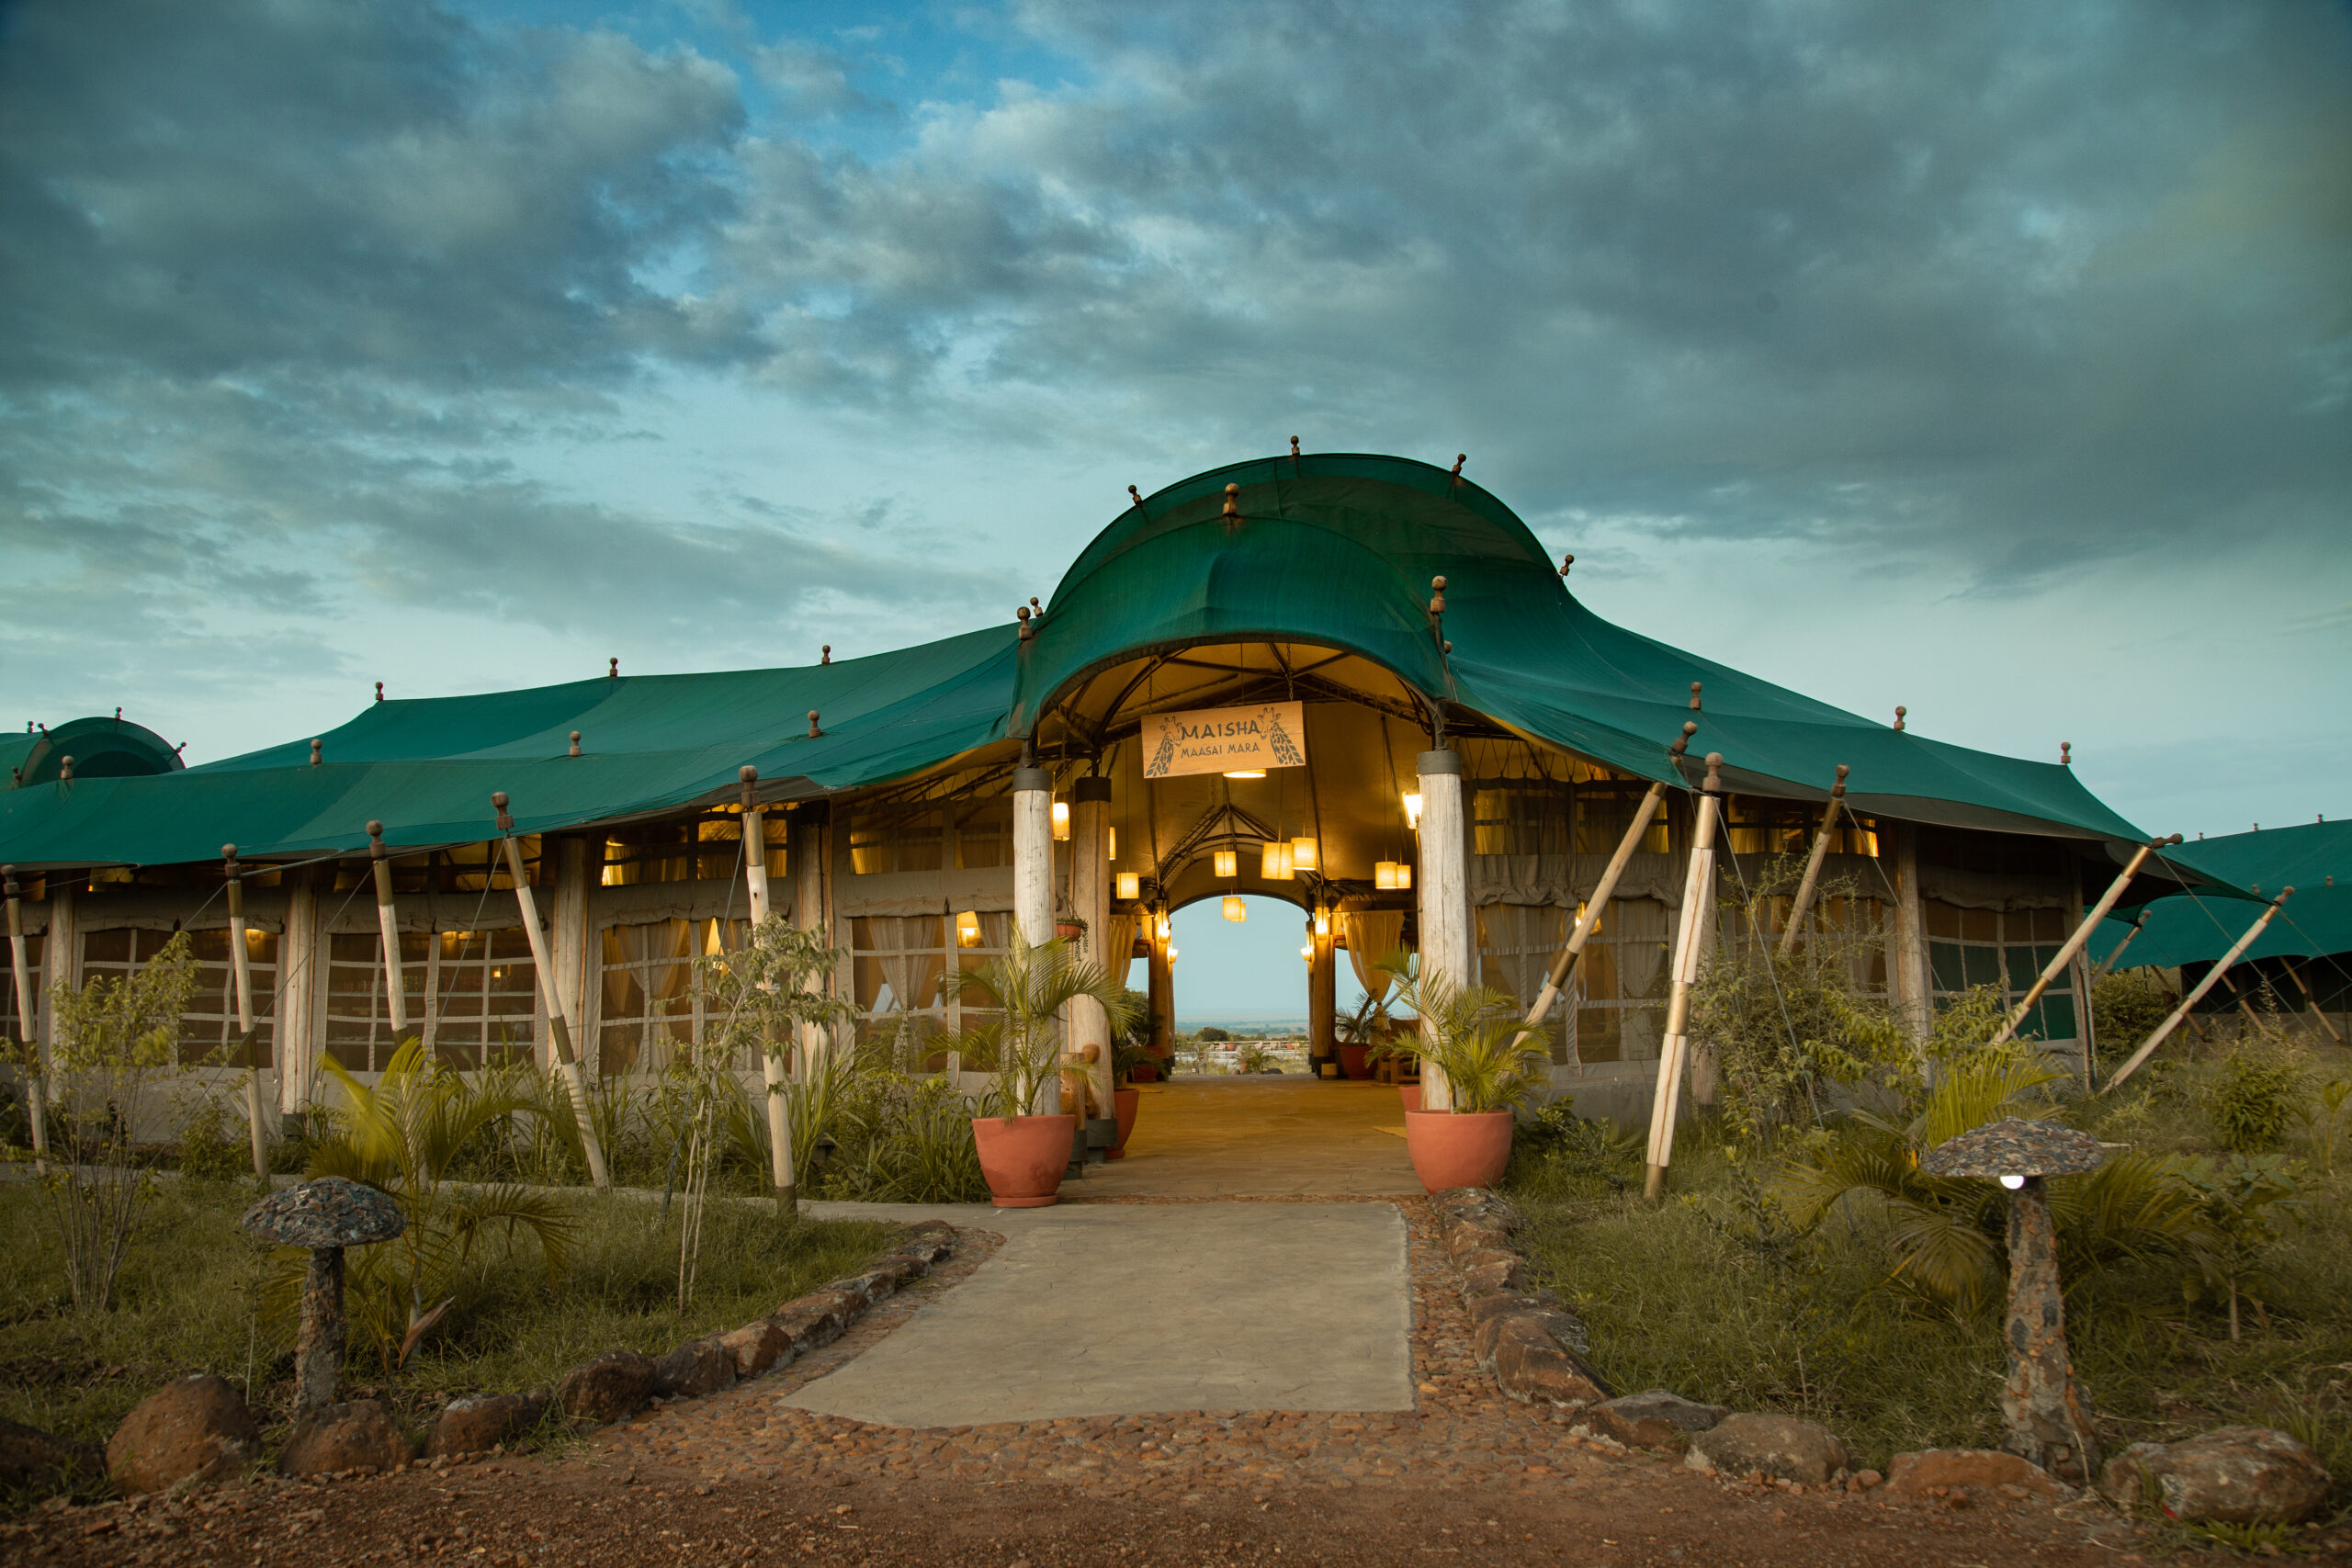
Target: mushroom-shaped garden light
<point>2045,1414</point>
<point>326,1216</point>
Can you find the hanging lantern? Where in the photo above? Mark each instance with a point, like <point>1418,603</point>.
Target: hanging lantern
<point>1115,845</point>
<point>1228,864</point>
<point>1061,819</point>
<point>1304,855</point>
<point>1403,876</point>
<point>967,929</point>
<point>1130,885</point>
<point>1384,875</point>
<point>1274,863</point>
<point>1413,809</point>
<point>1235,909</point>
<point>1322,922</point>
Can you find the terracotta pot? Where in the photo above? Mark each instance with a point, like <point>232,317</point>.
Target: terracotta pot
<point>1466,1150</point>
<point>1124,1102</point>
<point>1352,1063</point>
<point>1144,1072</point>
<point>1410,1093</point>
<point>1023,1159</point>
<point>1069,931</point>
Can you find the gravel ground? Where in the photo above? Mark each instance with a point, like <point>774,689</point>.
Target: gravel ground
<point>742,1479</point>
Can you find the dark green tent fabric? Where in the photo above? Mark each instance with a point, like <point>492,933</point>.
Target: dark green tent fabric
<point>101,747</point>
<point>1332,549</point>
<point>2316,921</point>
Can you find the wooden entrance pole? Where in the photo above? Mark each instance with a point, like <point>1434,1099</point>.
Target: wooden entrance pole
<point>1033,886</point>
<point>388,925</point>
<point>240,967</point>
<point>2081,934</point>
<point>1442,891</point>
<point>771,1077</point>
<point>1090,900</point>
<point>1698,899</point>
<point>2197,993</point>
<point>558,1023</point>
<point>29,1048</point>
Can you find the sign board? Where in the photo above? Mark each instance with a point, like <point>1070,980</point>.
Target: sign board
<point>1225,741</point>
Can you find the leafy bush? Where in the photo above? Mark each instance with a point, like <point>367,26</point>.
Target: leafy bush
<point>1473,1034</point>
<point>903,1140</point>
<point>2258,1092</point>
<point>2243,1204</point>
<point>1213,1033</point>
<point>2126,1007</point>
<point>211,1147</point>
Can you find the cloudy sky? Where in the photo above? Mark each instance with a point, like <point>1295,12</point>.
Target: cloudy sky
<point>1995,360</point>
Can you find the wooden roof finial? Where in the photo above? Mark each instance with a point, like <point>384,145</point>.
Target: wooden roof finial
<point>1566,562</point>
<point>813,731</point>
<point>1459,458</point>
<point>2065,753</point>
<point>750,775</point>
<point>1027,630</point>
<point>1136,496</point>
<point>65,770</point>
<point>1682,741</point>
<point>1837,790</point>
<point>506,817</point>
<point>575,743</point>
<point>1232,507</point>
<point>1294,448</point>
<point>1899,711</point>
<point>380,691</point>
<point>825,654</point>
<point>318,751</point>
<point>1696,687</point>
<point>376,849</point>
<point>613,669</point>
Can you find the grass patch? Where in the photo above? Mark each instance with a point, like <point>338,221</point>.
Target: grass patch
<point>1711,1294</point>
<point>192,1291</point>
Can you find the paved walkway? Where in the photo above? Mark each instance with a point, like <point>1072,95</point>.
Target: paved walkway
<point>1134,1309</point>
<point>1260,1137</point>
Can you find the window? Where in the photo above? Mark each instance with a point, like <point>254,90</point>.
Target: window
<point>1529,818</point>
<point>905,840</point>
<point>984,833</point>
<point>1605,810</point>
<point>653,1011</point>
<point>208,1033</point>
<point>1755,827</point>
<point>1517,943</point>
<point>703,849</point>
<point>2009,949</point>
<point>1621,983</point>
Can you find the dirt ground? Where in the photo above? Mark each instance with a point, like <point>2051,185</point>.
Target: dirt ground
<point>742,1478</point>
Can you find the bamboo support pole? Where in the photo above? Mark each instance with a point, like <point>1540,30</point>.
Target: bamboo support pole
<point>389,924</point>
<point>2138,924</point>
<point>1811,879</point>
<point>558,1024</point>
<point>2197,993</point>
<point>35,1058</point>
<point>240,965</point>
<point>2310,999</point>
<point>772,1075</point>
<point>1698,888</point>
<point>2082,933</point>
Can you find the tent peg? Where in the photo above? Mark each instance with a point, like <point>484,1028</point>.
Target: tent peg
<point>575,743</point>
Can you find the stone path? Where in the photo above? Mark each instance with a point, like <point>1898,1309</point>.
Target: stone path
<point>1260,1137</point>
<point>1119,1309</point>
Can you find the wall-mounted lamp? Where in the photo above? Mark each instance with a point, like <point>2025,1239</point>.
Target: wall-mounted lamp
<point>967,929</point>
<point>1061,819</point>
<point>1413,809</point>
<point>1322,922</point>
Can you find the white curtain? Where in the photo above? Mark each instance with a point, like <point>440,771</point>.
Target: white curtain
<point>1373,935</point>
<point>1119,945</point>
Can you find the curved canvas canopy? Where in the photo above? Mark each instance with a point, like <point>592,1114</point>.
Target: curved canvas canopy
<point>1332,551</point>
<point>101,748</point>
<point>2315,859</point>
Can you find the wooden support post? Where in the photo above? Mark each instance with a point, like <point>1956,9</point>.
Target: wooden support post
<point>810,842</point>
<point>387,928</point>
<point>29,1050</point>
<point>2108,963</point>
<point>558,1023</point>
<point>1597,906</point>
<point>1690,931</point>
<point>1322,986</point>
<point>772,1075</point>
<point>1090,900</point>
<point>1802,903</point>
<point>2081,934</point>
<point>1160,979</point>
<point>1908,976</point>
<point>2197,993</point>
<point>1443,892</point>
<point>2310,999</point>
<point>240,967</point>
<point>1033,884</point>
<point>297,1039</point>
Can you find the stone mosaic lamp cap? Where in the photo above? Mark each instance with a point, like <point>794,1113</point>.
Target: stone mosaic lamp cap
<point>2016,1147</point>
<point>329,1211</point>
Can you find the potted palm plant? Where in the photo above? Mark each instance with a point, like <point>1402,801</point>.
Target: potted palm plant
<point>1024,1154</point>
<point>1360,1035</point>
<point>1492,1062</point>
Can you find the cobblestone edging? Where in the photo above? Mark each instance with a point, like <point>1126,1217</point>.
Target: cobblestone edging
<point>618,1384</point>
<point>1534,1347</point>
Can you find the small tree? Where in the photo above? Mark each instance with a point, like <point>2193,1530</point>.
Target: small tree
<point>2242,1204</point>
<point>1027,987</point>
<point>116,1040</point>
<point>1474,1035</point>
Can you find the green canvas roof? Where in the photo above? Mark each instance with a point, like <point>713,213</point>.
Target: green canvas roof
<point>2315,922</point>
<point>1331,550</point>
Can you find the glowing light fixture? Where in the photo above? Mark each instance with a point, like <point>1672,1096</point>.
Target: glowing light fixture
<point>1130,885</point>
<point>1304,854</point>
<point>2013,1183</point>
<point>1308,953</point>
<point>1322,922</point>
<point>1172,952</point>
<point>1247,773</point>
<point>1163,927</point>
<point>967,929</point>
<point>1403,876</point>
<point>1275,862</point>
<point>1228,864</point>
<point>1413,809</point>
<point>1235,909</point>
<point>1384,875</point>
<point>1115,845</point>
<point>1061,819</point>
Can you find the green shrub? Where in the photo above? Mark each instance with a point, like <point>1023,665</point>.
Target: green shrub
<point>2126,1007</point>
<point>2257,1093</point>
<point>212,1147</point>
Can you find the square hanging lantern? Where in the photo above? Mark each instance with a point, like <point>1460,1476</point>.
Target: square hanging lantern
<point>1061,819</point>
<point>1304,855</point>
<point>1274,861</point>
<point>967,929</point>
<point>1228,864</point>
<point>1413,809</point>
<point>1130,885</point>
<point>1403,876</point>
<point>1235,909</point>
<point>1384,875</point>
